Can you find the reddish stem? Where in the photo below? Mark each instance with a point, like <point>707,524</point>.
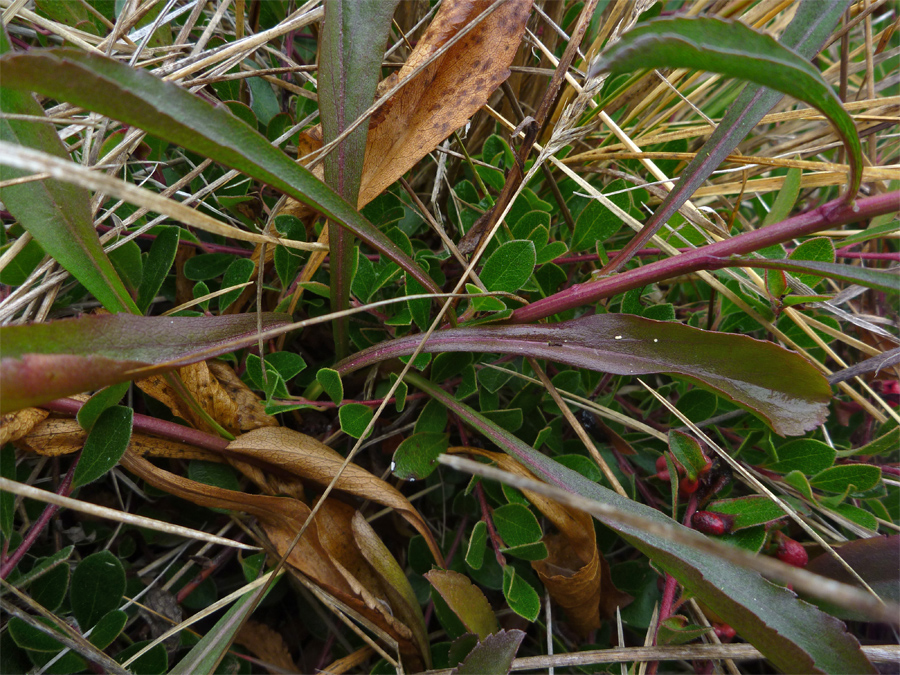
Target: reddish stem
<point>496,541</point>
<point>830,215</point>
<point>28,541</point>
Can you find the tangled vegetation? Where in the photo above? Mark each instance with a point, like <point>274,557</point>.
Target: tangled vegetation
<point>461,336</point>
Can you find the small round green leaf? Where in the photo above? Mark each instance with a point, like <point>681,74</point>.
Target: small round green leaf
<point>108,628</point>
<point>105,444</point>
<point>416,457</point>
<point>859,477</point>
<point>804,454</point>
<point>517,525</point>
<point>354,418</point>
<point>98,585</point>
<point>331,383</point>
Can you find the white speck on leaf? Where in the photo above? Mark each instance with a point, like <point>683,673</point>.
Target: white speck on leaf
<point>618,337</point>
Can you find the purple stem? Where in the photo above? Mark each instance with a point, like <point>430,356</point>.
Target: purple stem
<point>832,214</point>
<point>150,425</point>
<point>63,490</point>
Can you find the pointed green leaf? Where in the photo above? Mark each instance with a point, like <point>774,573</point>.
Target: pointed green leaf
<point>733,49</point>
<point>493,656</point>
<point>165,110</point>
<point>520,596</point>
<point>56,214</point>
<point>331,383</point>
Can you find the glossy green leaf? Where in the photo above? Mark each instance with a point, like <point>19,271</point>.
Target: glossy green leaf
<point>31,638</point>
<point>50,591</point>
<point>165,110</point>
<point>517,525</point>
<point>596,223</point>
<point>56,214</point>
<point>433,418</point>
<point>733,49</point>
<point>494,655</point>
<point>519,594</point>
<point>105,445</point>
<point>748,511</point>
<point>98,584</point>
<point>793,635</point>
<point>157,265</point>
<point>331,383</point>
<point>804,454</point>
<point>509,267</point>
<point>883,445</point>
<point>854,477</point>
<point>41,362</point>
<point>414,458</point>
<point>688,453</point>
<point>466,600</point>
<point>789,394</point>
<point>105,398</point>
<point>354,418</point>
<point>818,249</point>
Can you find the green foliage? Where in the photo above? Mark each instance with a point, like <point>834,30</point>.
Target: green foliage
<point>721,331</point>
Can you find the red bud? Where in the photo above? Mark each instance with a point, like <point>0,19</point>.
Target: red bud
<point>708,522</point>
<point>790,551</point>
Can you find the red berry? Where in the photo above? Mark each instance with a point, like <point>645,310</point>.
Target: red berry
<point>688,486</point>
<point>790,551</point>
<point>662,469</point>
<point>708,522</point>
<point>724,632</point>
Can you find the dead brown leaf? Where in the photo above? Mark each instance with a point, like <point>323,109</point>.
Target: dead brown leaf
<point>326,553</point>
<point>227,400</point>
<point>289,451</point>
<point>15,425</point>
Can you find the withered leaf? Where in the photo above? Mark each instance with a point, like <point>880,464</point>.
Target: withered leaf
<point>304,456</point>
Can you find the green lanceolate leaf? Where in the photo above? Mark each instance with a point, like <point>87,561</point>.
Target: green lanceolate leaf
<point>791,396</point>
<point>352,46</point>
<point>41,362</point>
<point>56,214</point>
<point>105,444</point>
<point>165,110</point>
<point>733,49</point>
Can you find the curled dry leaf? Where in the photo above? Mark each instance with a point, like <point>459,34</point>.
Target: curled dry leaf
<point>217,390</point>
<point>14,426</point>
<point>324,554</point>
<point>440,97</point>
<point>301,455</point>
<point>466,600</point>
<point>574,573</point>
